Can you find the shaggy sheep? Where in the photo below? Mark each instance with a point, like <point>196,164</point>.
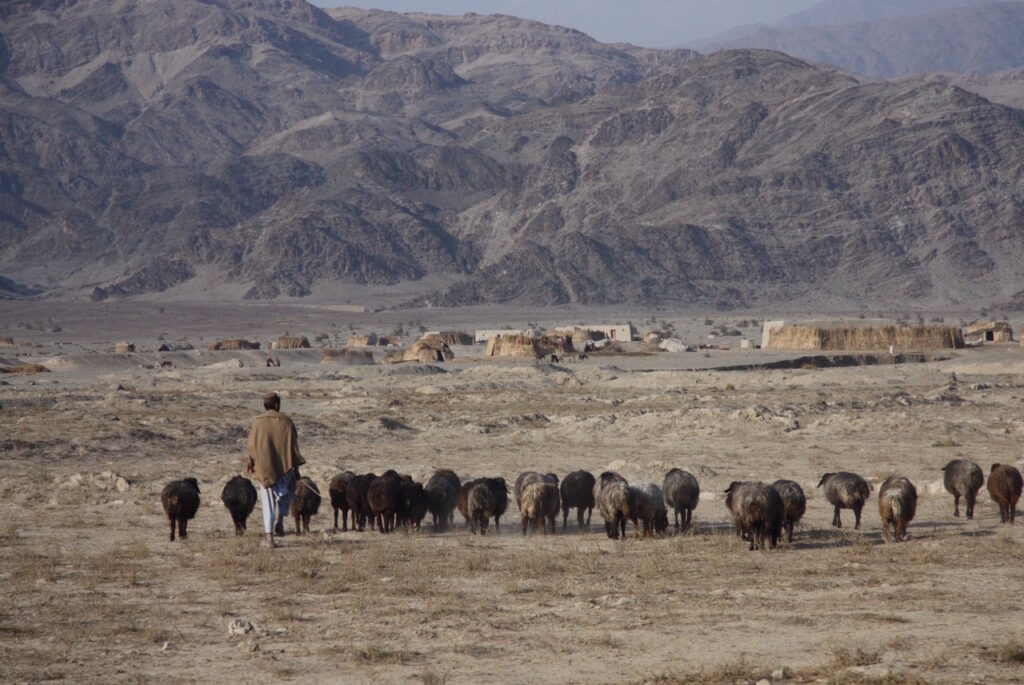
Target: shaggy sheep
<point>181,502</point>
<point>527,477</point>
<point>1004,484</point>
<point>463,501</point>
<point>413,506</point>
<point>539,506</point>
<point>239,496</point>
<point>611,495</point>
<point>385,497</point>
<point>442,496</point>
<point>577,490</point>
<point>963,478</point>
<point>647,504</point>
<point>355,494</point>
<point>757,512</point>
<point>305,504</point>
<point>682,493</point>
<point>897,502</point>
<point>845,491</point>
<point>480,506</point>
<point>339,499</point>
<point>794,504</point>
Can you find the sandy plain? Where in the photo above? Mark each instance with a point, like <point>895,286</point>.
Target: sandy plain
<point>94,591</point>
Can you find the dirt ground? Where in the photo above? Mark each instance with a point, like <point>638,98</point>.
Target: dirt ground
<point>94,591</point>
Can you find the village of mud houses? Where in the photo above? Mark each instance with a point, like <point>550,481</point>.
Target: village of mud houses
<point>489,342</point>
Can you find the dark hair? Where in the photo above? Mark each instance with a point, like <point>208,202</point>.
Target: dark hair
<point>271,401</point>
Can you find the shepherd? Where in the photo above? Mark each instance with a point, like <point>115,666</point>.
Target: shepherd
<point>274,458</point>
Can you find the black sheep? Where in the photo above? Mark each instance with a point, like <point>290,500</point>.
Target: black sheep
<point>239,496</point>
<point>577,490</point>
<point>181,502</point>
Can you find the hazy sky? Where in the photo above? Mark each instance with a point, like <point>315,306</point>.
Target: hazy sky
<point>651,23</point>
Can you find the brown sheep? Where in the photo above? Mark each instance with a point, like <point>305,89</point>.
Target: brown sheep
<point>845,490</point>
<point>239,496</point>
<point>897,504</point>
<point>181,502</point>
<point>757,512</point>
<point>480,505</point>
<point>442,497</point>
<point>499,490</point>
<point>539,505</point>
<point>385,498</point>
<point>963,478</point>
<point>355,495</point>
<point>794,504</point>
<point>611,494</point>
<point>305,504</point>
<point>1004,484</point>
<point>339,499</point>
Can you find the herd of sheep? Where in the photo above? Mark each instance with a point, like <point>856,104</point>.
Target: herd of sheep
<point>760,511</point>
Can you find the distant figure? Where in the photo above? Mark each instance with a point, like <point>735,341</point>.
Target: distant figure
<point>274,458</point>
<point>273,362</point>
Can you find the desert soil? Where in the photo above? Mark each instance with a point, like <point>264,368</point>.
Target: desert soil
<point>95,592</point>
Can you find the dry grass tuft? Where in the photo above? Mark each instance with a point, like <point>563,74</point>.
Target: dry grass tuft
<point>378,656</point>
<point>1011,652</point>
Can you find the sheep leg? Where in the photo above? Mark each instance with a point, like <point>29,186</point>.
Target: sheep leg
<point>525,521</point>
<point>789,531</point>
<point>836,521</point>
<point>856,513</point>
<point>956,506</point>
<point>183,528</point>
<point>497,525</point>
<point>970,505</point>
<point>579,518</point>
<point>623,527</point>
<point>172,528</point>
<point>565,517</point>
<point>590,510</point>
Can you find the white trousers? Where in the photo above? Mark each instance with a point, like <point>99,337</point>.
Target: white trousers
<point>276,500</point>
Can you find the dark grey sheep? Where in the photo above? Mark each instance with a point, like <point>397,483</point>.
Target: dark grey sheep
<point>181,502</point>
<point>794,504</point>
<point>845,490</point>
<point>611,494</point>
<point>757,512</point>
<point>647,505</point>
<point>682,493</point>
<point>963,478</point>
<point>239,496</point>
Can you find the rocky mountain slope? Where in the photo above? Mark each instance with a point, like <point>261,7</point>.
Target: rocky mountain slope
<point>908,38</point>
<point>270,149</point>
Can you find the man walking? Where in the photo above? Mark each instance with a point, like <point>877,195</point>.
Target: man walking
<point>274,458</point>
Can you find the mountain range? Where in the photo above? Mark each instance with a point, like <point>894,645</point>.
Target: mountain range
<point>890,39</point>
<point>269,149</point>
